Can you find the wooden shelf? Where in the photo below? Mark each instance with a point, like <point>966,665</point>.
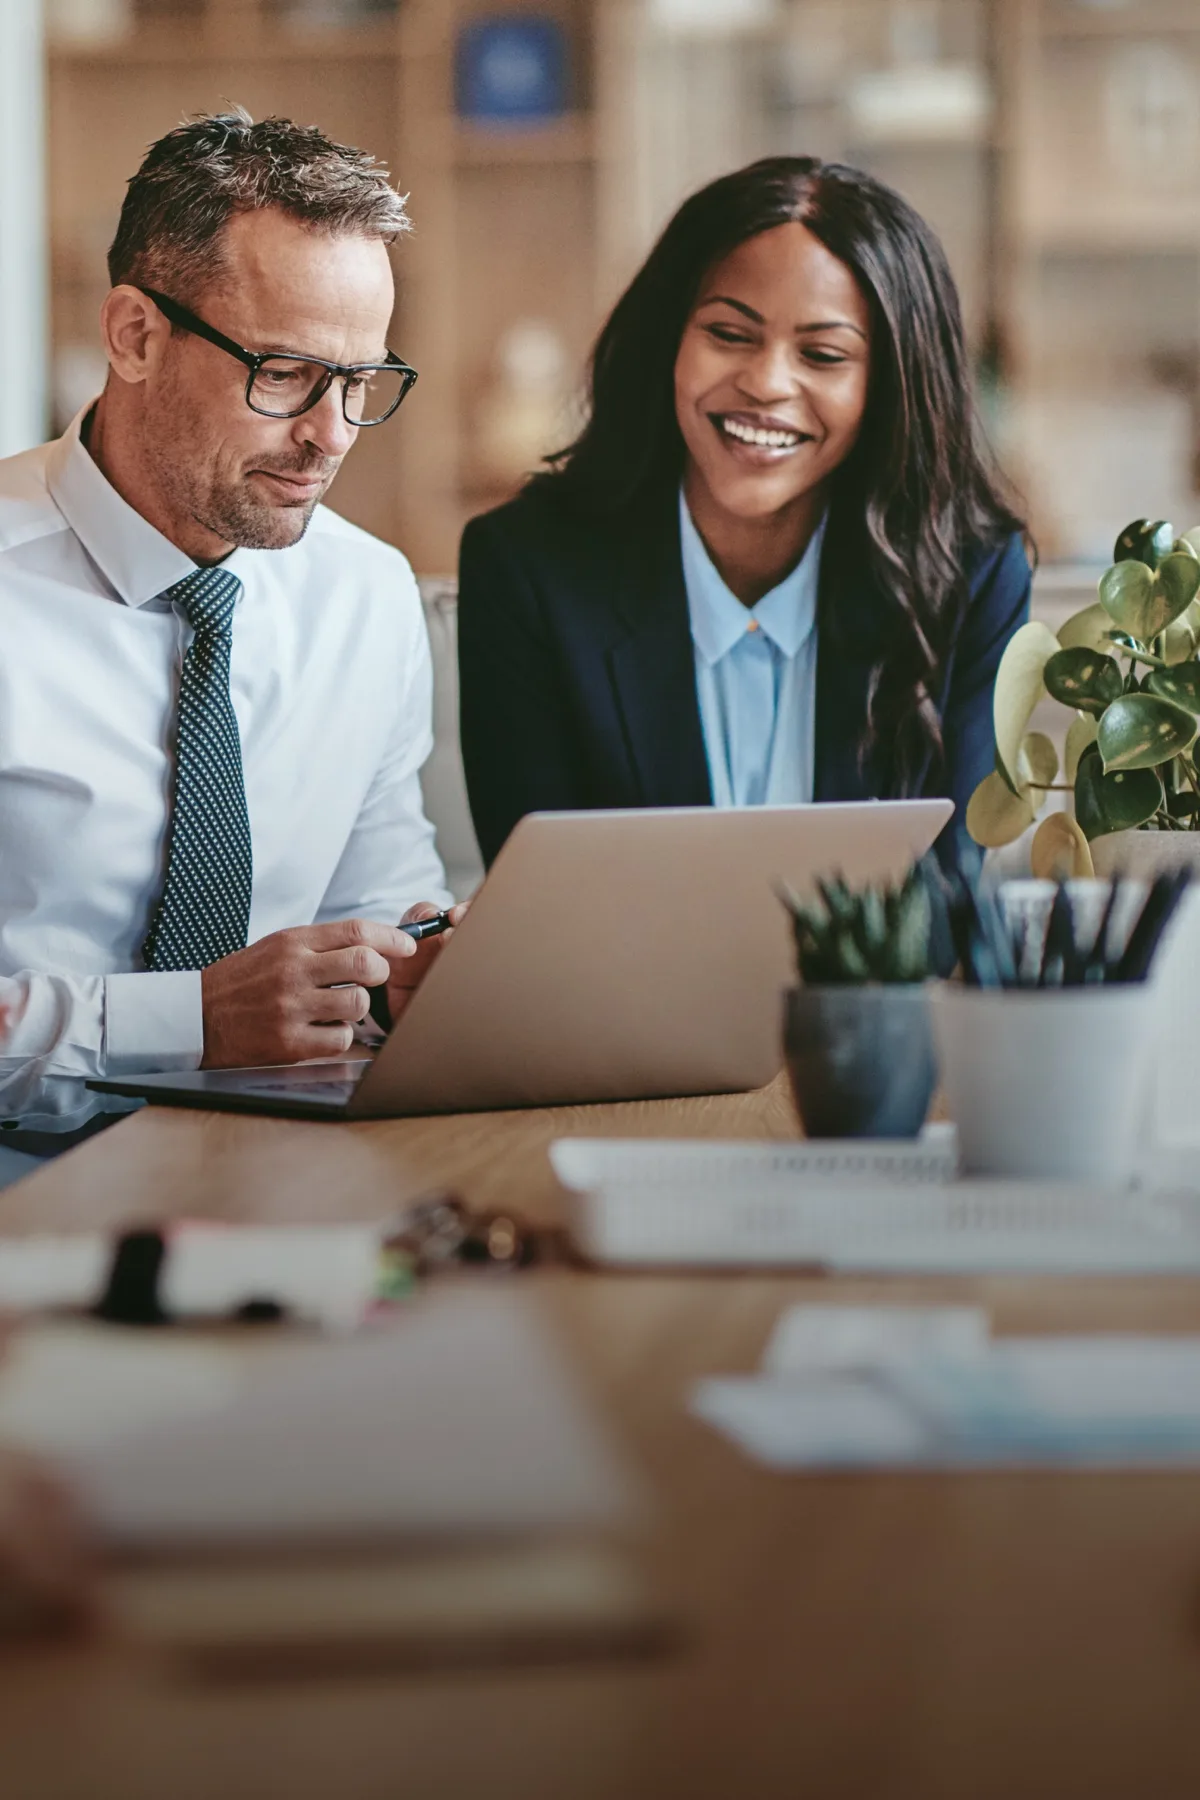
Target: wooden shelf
<point>567,140</point>
<point>189,44</point>
<point>1123,22</point>
<point>1075,236</point>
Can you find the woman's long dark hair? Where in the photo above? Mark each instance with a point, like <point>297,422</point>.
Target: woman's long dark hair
<point>914,502</point>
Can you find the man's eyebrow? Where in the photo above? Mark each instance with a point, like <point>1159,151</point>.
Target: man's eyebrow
<point>757,318</point>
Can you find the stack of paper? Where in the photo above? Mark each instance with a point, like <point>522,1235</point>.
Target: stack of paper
<point>861,1206</point>
<point>896,1387</point>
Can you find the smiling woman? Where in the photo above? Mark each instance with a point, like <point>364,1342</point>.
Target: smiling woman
<point>774,566</point>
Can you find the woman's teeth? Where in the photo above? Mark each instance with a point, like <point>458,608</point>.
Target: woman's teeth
<point>759,436</point>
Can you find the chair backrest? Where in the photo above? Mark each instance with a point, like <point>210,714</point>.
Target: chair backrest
<point>442,779</point>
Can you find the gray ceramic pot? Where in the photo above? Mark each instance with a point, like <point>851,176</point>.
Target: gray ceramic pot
<point>860,1059</point>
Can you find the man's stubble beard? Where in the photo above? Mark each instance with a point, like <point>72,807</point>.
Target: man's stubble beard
<point>226,509</point>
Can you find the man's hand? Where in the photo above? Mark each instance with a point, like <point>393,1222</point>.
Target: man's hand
<point>407,975</point>
<point>298,993</point>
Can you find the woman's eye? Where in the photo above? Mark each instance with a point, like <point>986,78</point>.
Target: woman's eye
<point>824,357</point>
<point>724,334</point>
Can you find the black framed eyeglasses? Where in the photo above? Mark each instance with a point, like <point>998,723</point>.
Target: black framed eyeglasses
<point>282,386</point>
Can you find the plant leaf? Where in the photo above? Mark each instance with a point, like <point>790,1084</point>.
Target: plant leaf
<point>1037,762</point>
<point>1179,578</point>
<point>1019,687</point>
<point>1126,594</point>
<point>1180,684</point>
<point>1140,731</point>
<point>1145,541</point>
<point>1179,640</point>
<point>1192,538</point>
<point>1087,630</point>
<point>1144,602</point>
<point>1059,851</point>
<point>1081,733</point>
<point>1085,679</point>
<point>1119,802</point>
<point>995,815</point>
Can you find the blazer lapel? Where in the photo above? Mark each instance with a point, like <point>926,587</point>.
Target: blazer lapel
<point>842,687</point>
<point>845,658</point>
<point>653,669</point>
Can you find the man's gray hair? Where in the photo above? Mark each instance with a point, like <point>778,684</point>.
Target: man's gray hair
<point>198,177</point>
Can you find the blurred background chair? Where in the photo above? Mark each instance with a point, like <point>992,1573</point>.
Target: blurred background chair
<point>442,777</point>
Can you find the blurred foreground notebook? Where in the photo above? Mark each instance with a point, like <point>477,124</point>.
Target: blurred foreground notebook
<point>434,1490</point>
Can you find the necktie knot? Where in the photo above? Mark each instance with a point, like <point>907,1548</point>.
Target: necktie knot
<point>206,598</point>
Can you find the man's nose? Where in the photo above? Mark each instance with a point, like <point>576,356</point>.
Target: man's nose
<point>325,425</point>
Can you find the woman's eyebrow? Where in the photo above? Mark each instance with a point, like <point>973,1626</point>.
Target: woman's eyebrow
<point>737,305</point>
<point>757,318</point>
<point>834,325</point>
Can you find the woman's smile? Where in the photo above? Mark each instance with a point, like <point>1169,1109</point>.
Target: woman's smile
<point>758,437</point>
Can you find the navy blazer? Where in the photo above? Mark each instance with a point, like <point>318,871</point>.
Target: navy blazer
<point>578,678</point>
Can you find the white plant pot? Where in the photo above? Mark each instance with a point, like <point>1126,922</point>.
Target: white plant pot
<point>1144,854</point>
<point>1045,1083</point>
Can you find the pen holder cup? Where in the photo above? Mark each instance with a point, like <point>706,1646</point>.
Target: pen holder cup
<point>860,1059</point>
<point>1045,1082</point>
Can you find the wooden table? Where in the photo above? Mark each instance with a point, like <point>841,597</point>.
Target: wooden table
<point>947,1638</point>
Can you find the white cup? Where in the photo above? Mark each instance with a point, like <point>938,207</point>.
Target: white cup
<point>1045,1082</point>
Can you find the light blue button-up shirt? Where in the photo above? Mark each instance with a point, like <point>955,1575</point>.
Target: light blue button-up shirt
<point>756,676</point>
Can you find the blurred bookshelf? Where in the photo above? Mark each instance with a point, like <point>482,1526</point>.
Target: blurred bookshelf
<point>1054,144</point>
<point>509,218</point>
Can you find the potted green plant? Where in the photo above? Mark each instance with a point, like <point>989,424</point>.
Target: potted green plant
<point>1128,668</point>
<point>856,1030</point>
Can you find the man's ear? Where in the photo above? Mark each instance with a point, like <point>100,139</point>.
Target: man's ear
<point>134,333</point>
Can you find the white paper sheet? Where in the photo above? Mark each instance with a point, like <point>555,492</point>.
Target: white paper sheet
<point>458,1418</point>
<point>932,1392</point>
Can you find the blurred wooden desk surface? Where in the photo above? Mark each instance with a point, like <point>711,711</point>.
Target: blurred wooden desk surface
<point>947,1638</point>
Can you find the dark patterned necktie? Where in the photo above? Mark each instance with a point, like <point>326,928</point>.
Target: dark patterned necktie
<point>204,913</point>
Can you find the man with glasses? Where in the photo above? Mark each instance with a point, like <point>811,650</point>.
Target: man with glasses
<point>215,696</point>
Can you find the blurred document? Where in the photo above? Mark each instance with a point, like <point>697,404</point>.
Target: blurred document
<point>456,1420</point>
<point>930,1392</point>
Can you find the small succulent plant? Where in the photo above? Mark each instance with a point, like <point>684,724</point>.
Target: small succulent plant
<point>1129,668</point>
<point>856,935</point>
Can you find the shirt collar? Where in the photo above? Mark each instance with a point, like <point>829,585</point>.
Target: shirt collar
<point>133,555</point>
<point>787,614</point>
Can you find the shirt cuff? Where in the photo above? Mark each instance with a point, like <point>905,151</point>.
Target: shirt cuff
<point>153,1021</point>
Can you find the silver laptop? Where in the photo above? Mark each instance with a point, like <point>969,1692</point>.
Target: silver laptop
<point>608,956</point>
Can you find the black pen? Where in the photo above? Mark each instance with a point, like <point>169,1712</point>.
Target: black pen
<point>423,928</point>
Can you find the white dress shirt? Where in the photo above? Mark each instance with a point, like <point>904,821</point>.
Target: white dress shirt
<point>331,684</point>
<point>756,676</point>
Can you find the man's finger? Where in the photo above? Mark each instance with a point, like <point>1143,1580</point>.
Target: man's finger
<point>359,964</point>
<point>321,1040</point>
<point>346,934</point>
<point>332,1005</point>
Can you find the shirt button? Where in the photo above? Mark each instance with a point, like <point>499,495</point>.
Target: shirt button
<point>752,625</point>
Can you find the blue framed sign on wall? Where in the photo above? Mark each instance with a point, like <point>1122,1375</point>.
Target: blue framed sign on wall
<point>511,70</point>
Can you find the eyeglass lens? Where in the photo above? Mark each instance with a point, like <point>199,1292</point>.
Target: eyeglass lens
<point>284,387</point>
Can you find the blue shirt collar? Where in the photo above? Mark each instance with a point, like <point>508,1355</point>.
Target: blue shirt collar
<point>787,614</point>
